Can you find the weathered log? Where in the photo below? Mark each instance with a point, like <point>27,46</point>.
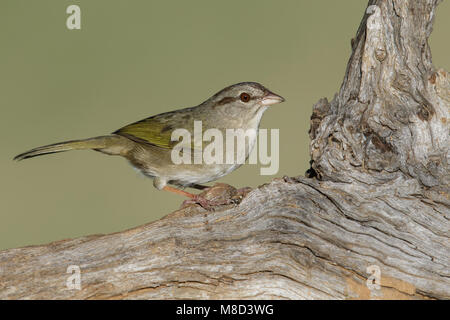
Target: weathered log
<point>376,198</point>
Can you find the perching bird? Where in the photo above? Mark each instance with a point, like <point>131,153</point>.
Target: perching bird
<point>148,145</point>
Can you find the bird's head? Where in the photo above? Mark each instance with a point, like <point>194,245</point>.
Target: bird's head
<point>243,100</point>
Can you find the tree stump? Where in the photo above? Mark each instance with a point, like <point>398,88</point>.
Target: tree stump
<point>370,220</point>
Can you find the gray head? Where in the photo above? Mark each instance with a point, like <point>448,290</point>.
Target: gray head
<point>245,98</point>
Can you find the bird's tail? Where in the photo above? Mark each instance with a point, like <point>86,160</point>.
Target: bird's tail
<point>108,144</point>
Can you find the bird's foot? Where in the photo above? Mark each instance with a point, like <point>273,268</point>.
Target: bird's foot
<point>206,203</point>
<point>218,195</point>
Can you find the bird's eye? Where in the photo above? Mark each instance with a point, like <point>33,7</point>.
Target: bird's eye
<point>245,97</point>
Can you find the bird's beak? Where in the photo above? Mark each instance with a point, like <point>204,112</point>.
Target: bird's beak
<point>271,98</point>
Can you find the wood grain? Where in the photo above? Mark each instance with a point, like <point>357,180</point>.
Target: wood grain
<point>377,194</point>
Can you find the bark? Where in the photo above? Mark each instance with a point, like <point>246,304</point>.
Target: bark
<point>376,198</point>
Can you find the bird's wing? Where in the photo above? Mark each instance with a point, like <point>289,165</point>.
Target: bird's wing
<point>156,130</point>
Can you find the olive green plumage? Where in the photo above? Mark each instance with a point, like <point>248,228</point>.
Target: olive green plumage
<point>147,143</point>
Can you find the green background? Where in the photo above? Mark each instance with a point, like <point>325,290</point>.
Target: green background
<point>133,59</point>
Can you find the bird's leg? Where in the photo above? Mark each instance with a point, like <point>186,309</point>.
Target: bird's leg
<point>194,198</point>
<point>217,195</point>
<point>178,191</point>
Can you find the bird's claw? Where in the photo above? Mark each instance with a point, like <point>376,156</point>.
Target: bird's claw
<point>206,204</point>
<point>218,195</point>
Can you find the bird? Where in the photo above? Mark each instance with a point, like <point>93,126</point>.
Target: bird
<point>148,144</point>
